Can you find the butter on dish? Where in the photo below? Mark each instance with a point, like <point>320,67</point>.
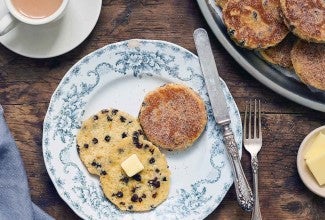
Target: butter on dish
<point>315,158</point>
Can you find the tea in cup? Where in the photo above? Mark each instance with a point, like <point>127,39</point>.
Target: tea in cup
<point>33,12</point>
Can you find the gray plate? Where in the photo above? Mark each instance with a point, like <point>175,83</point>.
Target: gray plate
<point>272,77</point>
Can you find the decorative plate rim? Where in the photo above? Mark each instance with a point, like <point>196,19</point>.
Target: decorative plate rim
<point>46,118</point>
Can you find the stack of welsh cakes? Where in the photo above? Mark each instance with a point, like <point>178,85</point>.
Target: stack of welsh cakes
<point>289,33</point>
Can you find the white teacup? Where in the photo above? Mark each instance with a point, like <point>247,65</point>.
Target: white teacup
<point>9,21</point>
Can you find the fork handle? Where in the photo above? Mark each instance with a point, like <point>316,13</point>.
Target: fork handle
<point>243,190</point>
<point>256,215</point>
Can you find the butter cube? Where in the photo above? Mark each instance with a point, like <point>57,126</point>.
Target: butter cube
<point>317,146</point>
<point>132,165</point>
<point>317,166</point>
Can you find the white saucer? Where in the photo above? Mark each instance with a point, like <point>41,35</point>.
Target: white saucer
<point>304,173</point>
<point>56,38</point>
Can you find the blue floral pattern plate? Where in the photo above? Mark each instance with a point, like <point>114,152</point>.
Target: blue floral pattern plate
<point>118,76</point>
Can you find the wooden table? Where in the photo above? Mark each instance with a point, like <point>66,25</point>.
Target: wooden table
<point>26,86</point>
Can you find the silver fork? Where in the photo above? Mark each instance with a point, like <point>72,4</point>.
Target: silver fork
<point>253,146</point>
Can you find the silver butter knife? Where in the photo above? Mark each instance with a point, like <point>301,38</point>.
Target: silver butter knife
<point>221,115</point>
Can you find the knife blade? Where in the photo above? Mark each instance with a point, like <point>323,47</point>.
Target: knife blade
<point>222,117</point>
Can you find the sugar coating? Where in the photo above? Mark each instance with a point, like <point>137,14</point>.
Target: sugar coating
<point>308,61</point>
<point>173,116</point>
<point>306,19</point>
<point>280,54</point>
<point>254,24</point>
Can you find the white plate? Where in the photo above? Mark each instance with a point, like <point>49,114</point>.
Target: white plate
<point>119,75</point>
<point>304,172</point>
<point>57,38</point>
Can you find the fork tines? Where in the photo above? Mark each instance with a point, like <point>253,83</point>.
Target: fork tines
<point>257,116</point>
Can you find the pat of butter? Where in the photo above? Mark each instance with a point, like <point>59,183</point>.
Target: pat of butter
<point>317,166</point>
<point>317,147</point>
<point>315,158</point>
<point>132,165</point>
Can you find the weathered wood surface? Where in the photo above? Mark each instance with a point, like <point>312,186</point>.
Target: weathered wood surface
<point>26,86</point>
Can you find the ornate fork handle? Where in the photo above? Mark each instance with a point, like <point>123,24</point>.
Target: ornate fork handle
<point>243,190</point>
<point>256,215</point>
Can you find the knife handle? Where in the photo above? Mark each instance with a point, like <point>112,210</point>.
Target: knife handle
<point>243,190</point>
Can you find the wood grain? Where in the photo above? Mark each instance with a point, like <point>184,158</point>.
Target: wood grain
<point>26,86</point>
